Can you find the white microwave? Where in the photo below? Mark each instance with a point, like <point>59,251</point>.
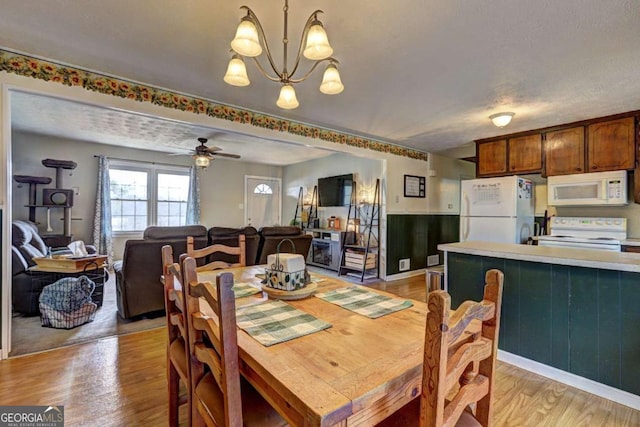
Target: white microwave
<point>598,188</point>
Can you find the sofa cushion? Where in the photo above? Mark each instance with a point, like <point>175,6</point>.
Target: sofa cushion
<point>229,237</point>
<point>284,230</point>
<point>165,233</point>
<point>25,237</point>
<point>228,232</point>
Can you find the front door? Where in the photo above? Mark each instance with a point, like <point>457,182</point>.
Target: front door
<point>263,201</point>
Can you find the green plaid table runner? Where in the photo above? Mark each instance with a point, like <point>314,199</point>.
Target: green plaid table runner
<point>362,301</point>
<point>242,289</point>
<point>274,322</point>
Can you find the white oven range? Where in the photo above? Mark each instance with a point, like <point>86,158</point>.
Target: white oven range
<point>586,233</point>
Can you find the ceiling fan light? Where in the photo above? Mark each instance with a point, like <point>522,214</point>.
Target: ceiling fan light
<point>237,72</point>
<point>317,46</point>
<point>331,82</point>
<point>287,99</point>
<point>202,161</point>
<point>246,41</point>
<point>501,119</point>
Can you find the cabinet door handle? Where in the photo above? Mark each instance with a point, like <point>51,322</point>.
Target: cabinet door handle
<point>578,169</point>
<point>594,167</point>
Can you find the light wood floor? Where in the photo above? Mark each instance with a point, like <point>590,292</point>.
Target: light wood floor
<point>120,381</point>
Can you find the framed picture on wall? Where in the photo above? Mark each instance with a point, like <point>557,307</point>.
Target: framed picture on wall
<point>414,186</point>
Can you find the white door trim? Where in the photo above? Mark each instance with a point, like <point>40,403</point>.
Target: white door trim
<point>5,195</point>
<point>270,178</point>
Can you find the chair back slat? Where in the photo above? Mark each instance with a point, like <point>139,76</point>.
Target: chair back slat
<point>203,332</point>
<point>206,252</point>
<point>459,362</point>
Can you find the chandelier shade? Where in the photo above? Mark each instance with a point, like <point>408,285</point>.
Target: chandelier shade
<point>237,72</point>
<point>318,47</point>
<point>331,82</point>
<point>287,99</point>
<point>246,41</point>
<point>250,41</point>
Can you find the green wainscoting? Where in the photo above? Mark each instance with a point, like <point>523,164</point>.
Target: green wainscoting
<point>581,320</point>
<point>417,236</point>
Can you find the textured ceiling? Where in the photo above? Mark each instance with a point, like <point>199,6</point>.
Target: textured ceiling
<point>421,73</point>
<point>74,120</point>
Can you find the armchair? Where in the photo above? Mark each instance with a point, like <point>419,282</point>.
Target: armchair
<point>138,287</point>
<point>26,244</point>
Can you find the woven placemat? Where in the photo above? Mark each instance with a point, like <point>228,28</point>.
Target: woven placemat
<point>362,301</point>
<point>242,289</point>
<point>274,322</point>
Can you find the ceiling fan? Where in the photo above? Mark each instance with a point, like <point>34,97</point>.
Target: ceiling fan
<point>203,154</point>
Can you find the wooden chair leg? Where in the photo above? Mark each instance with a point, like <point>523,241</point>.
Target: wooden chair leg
<point>174,394</point>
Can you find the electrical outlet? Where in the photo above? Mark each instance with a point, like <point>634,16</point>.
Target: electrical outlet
<point>405,264</point>
<point>433,260</point>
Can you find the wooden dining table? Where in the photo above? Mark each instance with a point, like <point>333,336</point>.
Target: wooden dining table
<point>355,373</point>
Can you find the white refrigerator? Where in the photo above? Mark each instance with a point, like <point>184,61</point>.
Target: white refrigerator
<point>497,209</point>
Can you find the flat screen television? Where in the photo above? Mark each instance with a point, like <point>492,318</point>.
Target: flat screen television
<point>335,190</point>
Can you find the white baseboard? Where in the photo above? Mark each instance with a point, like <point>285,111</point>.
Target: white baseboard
<point>405,275</point>
<point>590,386</point>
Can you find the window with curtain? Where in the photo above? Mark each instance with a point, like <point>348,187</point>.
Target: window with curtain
<point>144,194</point>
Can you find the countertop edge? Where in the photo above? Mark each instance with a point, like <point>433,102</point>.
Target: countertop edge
<point>620,261</point>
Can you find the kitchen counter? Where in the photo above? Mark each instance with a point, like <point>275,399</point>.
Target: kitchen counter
<point>620,261</point>
<point>572,313</point>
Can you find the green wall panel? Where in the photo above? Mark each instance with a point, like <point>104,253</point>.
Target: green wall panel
<point>560,290</point>
<point>465,272</point>
<point>629,323</point>
<point>535,315</point>
<point>417,236</point>
<point>609,327</point>
<point>583,312</point>
<point>509,337</point>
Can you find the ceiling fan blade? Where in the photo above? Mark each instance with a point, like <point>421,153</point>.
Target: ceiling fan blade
<point>231,156</point>
<point>213,149</point>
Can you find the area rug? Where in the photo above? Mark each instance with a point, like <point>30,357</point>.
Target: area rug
<point>28,336</point>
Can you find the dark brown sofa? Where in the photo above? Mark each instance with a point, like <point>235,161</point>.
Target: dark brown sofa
<point>138,286</point>
<point>229,237</point>
<point>270,237</point>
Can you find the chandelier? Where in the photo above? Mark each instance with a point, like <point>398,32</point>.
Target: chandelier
<point>314,45</point>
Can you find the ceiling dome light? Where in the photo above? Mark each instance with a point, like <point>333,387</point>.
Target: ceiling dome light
<point>331,83</point>
<point>287,99</point>
<point>202,161</point>
<point>318,46</point>
<point>236,72</point>
<point>501,119</point>
<point>246,41</point>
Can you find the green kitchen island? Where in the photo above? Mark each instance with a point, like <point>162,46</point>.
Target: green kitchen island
<point>570,314</point>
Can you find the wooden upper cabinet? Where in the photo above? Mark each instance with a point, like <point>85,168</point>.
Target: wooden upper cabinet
<point>525,154</point>
<point>492,158</point>
<point>611,145</point>
<point>564,152</point>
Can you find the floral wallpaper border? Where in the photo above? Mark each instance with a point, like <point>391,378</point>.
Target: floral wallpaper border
<point>23,65</point>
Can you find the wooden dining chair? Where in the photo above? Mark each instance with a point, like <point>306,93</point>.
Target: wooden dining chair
<point>459,361</point>
<point>219,396</point>
<point>208,253</point>
<point>178,368</point>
